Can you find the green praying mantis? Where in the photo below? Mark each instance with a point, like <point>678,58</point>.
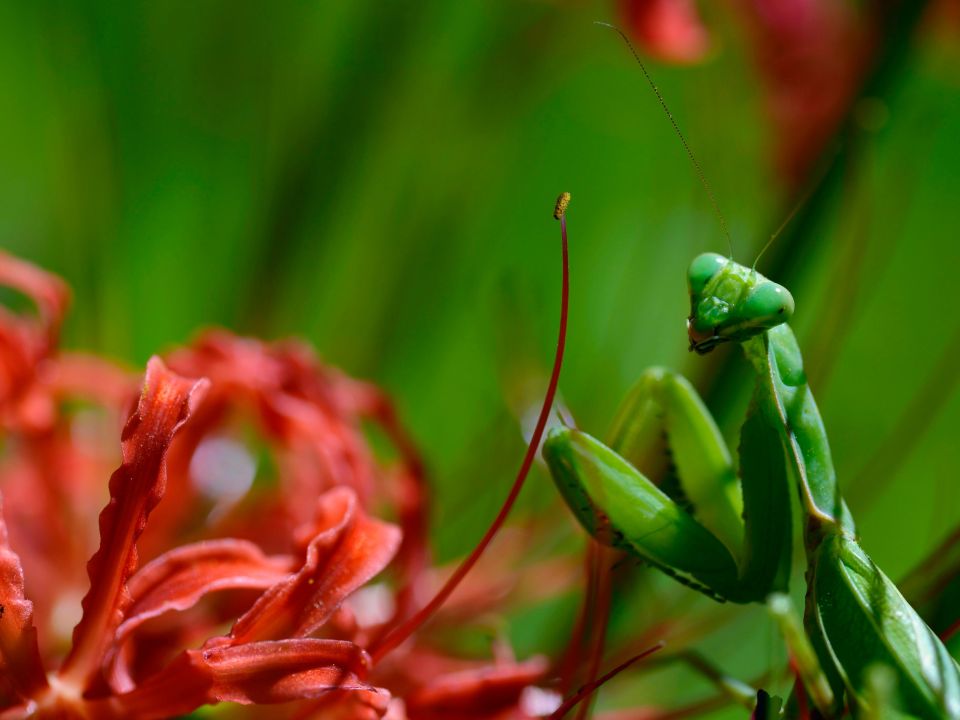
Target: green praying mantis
<point>861,647</point>
<point>734,543</point>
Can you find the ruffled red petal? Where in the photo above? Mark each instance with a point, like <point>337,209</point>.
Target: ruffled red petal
<point>263,672</point>
<point>178,579</point>
<point>19,652</point>
<point>26,341</point>
<point>135,488</point>
<point>478,693</point>
<point>347,549</point>
<point>47,291</point>
<point>87,376</point>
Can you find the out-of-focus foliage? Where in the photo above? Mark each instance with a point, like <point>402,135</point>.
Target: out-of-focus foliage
<point>378,178</point>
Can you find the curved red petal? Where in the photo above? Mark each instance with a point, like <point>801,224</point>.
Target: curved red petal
<point>409,488</point>
<point>263,672</point>
<point>316,439</point>
<point>135,488</point>
<point>178,579</point>
<point>47,291</point>
<point>281,670</point>
<point>19,652</point>
<point>347,549</point>
<point>79,374</point>
<point>476,693</point>
<point>25,342</point>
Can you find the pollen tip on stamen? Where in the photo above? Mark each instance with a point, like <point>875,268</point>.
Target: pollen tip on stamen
<point>560,208</point>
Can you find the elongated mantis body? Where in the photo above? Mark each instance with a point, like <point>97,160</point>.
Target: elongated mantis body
<point>735,542</point>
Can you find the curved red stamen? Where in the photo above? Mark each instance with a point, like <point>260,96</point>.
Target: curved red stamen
<point>591,687</point>
<point>601,581</point>
<point>392,639</point>
<point>950,631</point>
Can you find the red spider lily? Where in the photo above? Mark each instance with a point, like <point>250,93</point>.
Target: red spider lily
<point>310,419</point>
<point>280,563</point>
<point>310,415</point>
<point>266,657</point>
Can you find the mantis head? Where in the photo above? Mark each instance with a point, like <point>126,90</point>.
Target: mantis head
<point>730,302</point>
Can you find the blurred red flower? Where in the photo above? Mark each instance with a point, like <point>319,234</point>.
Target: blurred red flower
<point>669,30</point>
<point>268,486</point>
<point>811,56</point>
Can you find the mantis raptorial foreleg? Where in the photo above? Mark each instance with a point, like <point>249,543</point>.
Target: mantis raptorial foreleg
<point>854,616</point>
<point>620,506</point>
<point>663,404</point>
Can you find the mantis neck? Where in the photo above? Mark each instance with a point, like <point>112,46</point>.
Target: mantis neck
<point>785,401</point>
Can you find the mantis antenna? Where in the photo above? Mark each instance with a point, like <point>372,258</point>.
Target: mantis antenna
<point>676,128</point>
<point>776,233</point>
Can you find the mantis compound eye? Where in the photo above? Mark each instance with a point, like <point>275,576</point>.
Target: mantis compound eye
<point>767,305</point>
<point>703,268</point>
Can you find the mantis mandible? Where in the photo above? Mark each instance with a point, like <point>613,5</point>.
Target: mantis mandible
<point>734,541</point>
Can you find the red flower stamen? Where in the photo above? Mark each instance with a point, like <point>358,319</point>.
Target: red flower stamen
<point>395,637</point>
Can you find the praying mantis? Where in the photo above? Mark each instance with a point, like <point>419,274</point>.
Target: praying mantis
<point>735,544</point>
<point>861,647</point>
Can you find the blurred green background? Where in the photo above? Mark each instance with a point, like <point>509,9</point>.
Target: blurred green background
<point>378,178</point>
